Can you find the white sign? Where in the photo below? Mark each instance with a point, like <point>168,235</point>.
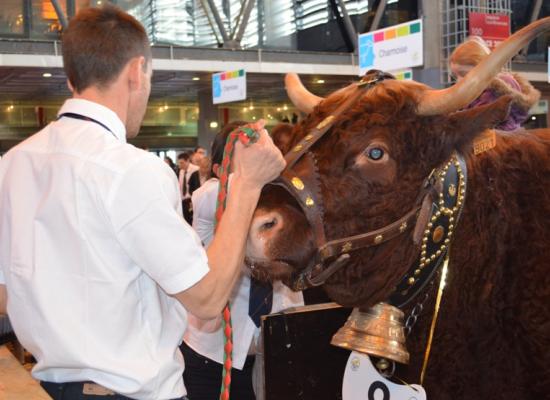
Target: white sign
<point>393,48</point>
<point>229,86</point>
<point>363,382</point>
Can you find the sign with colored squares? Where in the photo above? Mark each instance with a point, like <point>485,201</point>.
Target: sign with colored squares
<point>229,86</point>
<point>403,75</point>
<point>394,48</point>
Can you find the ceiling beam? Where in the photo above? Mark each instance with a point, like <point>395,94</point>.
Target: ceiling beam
<point>378,16</point>
<point>60,14</point>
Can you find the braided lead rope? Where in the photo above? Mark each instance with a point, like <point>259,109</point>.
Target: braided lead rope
<point>246,136</point>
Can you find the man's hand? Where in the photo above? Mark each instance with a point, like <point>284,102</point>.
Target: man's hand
<point>3,300</point>
<point>259,163</point>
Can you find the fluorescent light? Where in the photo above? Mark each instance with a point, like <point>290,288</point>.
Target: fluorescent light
<point>196,78</point>
<point>47,75</point>
<point>213,124</point>
<point>320,81</point>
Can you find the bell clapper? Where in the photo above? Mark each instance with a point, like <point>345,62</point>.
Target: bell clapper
<point>385,367</point>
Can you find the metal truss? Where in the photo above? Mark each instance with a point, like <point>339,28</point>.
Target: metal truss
<point>231,37</point>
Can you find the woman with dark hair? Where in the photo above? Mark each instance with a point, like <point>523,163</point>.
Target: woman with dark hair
<point>203,344</point>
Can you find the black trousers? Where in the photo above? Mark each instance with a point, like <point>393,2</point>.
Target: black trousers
<point>203,377</point>
<point>187,207</point>
<point>73,391</point>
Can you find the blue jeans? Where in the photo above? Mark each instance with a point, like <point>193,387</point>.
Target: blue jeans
<point>73,391</point>
<point>203,377</point>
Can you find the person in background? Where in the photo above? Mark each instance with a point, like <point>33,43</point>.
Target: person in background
<point>171,164</point>
<point>98,269</point>
<point>203,340</point>
<point>198,155</point>
<point>199,177</point>
<point>524,96</point>
<point>184,174</point>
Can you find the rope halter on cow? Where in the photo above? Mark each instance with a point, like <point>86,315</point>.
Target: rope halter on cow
<point>441,198</point>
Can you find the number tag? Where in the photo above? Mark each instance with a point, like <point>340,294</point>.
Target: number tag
<point>362,381</point>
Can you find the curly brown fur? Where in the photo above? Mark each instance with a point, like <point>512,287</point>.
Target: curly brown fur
<point>524,99</point>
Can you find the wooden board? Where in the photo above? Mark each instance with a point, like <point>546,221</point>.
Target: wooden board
<point>16,383</point>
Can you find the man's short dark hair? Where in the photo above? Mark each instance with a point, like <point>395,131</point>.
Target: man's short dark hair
<point>98,44</point>
<point>183,156</point>
<point>197,149</point>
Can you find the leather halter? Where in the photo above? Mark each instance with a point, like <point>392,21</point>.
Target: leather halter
<point>301,179</point>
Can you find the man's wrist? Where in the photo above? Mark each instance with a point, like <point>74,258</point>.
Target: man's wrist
<point>244,185</point>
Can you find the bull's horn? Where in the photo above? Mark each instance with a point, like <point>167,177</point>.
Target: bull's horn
<point>433,102</point>
<point>302,99</point>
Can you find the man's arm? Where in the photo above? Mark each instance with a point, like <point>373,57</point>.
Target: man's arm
<point>3,300</point>
<point>253,168</point>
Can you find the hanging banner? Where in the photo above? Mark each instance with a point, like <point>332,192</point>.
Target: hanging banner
<point>389,49</point>
<point>229,86</point>
<point>492,28</point>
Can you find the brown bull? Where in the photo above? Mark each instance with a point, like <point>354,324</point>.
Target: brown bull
<point>492,339</point>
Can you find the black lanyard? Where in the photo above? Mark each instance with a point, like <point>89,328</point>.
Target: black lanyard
<point>85,118</point>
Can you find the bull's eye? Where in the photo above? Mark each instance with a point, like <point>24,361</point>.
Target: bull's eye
<point>376,153</point>
<point>269,224</point>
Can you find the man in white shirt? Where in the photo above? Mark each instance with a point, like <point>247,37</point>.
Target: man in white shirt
<point>97,265</point>
<point>204,340</point>
<point>186,169</point>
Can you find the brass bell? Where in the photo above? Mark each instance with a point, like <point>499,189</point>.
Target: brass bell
<point>377,332</point>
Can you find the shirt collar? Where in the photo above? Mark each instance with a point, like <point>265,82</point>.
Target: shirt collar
<point>98,112</point>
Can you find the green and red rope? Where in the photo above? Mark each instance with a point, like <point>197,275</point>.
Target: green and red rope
<point>246,136</point>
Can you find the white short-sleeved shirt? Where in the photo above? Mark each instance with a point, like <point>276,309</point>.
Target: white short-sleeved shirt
<point>91,241</point>
<point>200,335</point>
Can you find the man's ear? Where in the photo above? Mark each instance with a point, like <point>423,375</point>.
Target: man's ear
<point>70,86</point>
<point>136,67</point>
<point>463,127</point>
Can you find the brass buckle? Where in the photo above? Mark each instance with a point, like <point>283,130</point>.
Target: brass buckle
<point>370,81</point>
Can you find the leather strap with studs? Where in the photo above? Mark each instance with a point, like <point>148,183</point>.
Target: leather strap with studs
<point>446,210</point>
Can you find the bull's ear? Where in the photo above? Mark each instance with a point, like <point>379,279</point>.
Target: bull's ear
<point>464,126</point>
<point>282,136</point>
